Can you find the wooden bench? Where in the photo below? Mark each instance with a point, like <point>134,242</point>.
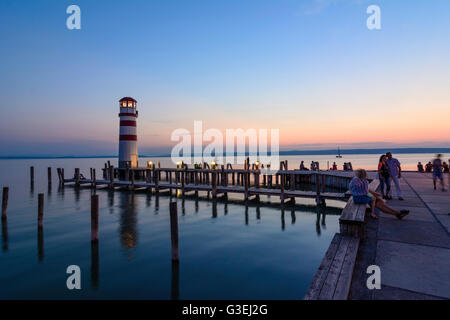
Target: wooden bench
<point>353,216</point>
<point>334,276</point>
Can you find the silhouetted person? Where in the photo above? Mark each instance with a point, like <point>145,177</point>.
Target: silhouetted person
<point>446,168</point>
<point>302,166</point>
<point>420,167</point>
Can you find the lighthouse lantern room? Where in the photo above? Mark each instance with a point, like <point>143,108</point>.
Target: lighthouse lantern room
<point>128,152</point>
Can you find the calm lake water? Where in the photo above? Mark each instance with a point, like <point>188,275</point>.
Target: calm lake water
<point>226,252</point>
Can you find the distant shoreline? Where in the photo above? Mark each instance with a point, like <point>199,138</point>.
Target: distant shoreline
<point>282,153</point>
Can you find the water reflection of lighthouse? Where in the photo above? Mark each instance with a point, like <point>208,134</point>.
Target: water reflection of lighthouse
<point>128,222</point>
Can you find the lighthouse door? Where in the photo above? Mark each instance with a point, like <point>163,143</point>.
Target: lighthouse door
<point>134,160</point>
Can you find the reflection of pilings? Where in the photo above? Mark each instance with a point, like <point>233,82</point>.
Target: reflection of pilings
<point>128,220</point>
<point>148,199</point>
<point>183,208</point>
<point>258,213</point>
<point>157,203</point>
<point>246,213</point>
<point>214,208</point>
<point>49,191</point>
<point>61,191</point>
<point>40,244</point>
<point>175,281</point>
<point>77,194</point>
<point>94,265</point>
<point>324,226</point>
<point>111,197</point>
<point>225,208</point>
<point>283,222</point>
<point>318,230</point>
<point>5,235</point>
<point>31,190</point>
<point>196,205</point>
<point>293,218</point>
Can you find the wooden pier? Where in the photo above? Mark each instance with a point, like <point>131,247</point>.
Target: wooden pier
<point>251,183</point>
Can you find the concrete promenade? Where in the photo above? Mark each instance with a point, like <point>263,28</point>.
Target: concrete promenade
<point>413,254</point>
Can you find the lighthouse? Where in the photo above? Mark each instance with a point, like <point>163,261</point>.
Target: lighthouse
<point>128,152</point>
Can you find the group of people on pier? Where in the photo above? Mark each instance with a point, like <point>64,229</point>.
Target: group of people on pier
<point>315,166</point>
<point>390,171</point>
<point>438,168</point>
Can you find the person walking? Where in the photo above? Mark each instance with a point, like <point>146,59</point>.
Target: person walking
<point>395,173</point>
<point>437,172</point>
<point>383,175</point>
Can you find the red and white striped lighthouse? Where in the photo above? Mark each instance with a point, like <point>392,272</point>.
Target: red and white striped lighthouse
<point>128,152</point>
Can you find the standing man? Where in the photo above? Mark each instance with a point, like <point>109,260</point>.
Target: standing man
<point>395,173</point>
<point>437,171</point>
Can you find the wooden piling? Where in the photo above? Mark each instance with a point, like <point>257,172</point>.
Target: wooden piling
<point>214,184</point>
<point>156,177</point>
<point>49,174</point>
<point>111,177</point>
<point>174,231</point>
<point>183,181</point>
<point>32,175</point>
<point>60,176</point>
<point>40,210</point>
<point>246,181</point>
<point>94,178</point>
<point>318,184</point>
<point>77,176</point>
<point>5,202</point>
<point>94,218</point>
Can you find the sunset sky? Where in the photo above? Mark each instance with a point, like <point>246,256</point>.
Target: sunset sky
<point>309,68</point>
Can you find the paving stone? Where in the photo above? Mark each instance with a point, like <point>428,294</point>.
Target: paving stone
<point>414,232</point>
<point>391,293</point>
<point>416,213</point>
<point>421,269</point>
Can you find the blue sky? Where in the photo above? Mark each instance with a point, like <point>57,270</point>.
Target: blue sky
<point>310,68</point>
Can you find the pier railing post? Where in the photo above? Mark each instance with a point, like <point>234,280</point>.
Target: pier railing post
<point>40,210</point>
<point>5,202</point>
<point>94,178</point>
<point>94,218</point>
<point>174,231</point>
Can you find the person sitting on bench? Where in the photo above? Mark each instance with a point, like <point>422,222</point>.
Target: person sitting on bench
<point>359,187</point>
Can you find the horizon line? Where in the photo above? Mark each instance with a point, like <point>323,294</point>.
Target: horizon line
<point>285,153</point>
